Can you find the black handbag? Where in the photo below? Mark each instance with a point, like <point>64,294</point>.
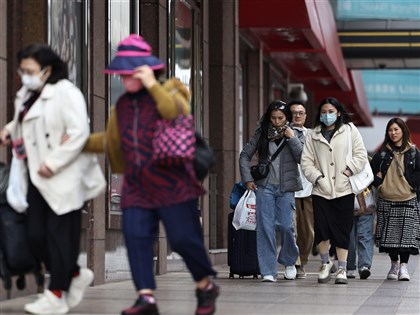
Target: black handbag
<point>204,157</point>
<point>261,170</point>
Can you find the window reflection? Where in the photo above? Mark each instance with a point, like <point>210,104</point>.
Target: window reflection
<point>119,28</point>
<point>185,51</point>
<point>183,41</point>
<point>66,36</point>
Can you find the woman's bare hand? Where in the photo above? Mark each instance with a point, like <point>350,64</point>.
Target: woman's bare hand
<point>5,137</point>
<point>44,171</point>
<point>64,138</point>
<point>289,132</point>
<point>146,75</point>
<point>251,186</point>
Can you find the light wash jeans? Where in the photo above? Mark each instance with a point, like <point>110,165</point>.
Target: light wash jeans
<point>361,243</point>
<point>275,212</point>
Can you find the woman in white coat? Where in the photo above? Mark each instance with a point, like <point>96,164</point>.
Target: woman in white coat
<point>48,132</point>
<point>325,165</point>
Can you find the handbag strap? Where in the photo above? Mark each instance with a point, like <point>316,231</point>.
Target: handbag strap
<point>282,144</point>
<point>350,145</point>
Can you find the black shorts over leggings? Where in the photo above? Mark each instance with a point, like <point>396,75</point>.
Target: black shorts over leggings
<point>333,219</point>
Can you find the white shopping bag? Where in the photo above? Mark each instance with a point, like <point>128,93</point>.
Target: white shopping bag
<point>245,213</point>
<point>17,189</point>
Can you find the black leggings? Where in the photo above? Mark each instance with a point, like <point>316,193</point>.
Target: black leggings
<point>54,239</point>
<point>403,257</point>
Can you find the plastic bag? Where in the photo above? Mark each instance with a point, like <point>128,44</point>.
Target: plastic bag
<point>244,217</point>
<point>17,189</point>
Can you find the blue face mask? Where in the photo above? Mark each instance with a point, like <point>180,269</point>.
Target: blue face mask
<point>328,119</point>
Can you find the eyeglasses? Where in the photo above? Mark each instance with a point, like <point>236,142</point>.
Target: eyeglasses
<point>296,114</point>
<point>21,72</point>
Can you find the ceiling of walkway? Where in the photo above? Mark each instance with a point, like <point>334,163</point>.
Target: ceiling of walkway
<point>388,48</point>
<point>301,37</point>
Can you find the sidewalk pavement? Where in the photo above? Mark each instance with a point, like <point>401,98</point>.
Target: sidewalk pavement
<point>175,294</point>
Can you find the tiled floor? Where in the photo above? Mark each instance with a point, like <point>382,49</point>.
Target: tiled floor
<point>175,294</point>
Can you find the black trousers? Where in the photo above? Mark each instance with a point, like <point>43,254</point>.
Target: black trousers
<point>54,239</point>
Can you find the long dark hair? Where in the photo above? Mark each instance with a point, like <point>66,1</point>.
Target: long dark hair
<point>406,138</point>
<point>262,145</point>
<point>45,56</point>
<point>344,117</point>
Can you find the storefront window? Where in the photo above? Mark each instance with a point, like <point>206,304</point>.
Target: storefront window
<point>119,27</point>
<point>66,20</point>
<point>185,54</point>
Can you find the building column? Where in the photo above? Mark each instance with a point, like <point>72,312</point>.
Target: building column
<point>254,106</point>
<point>98,113</point>
<point>224,111</point>
<point>154,28</point>
<point>6,110</point>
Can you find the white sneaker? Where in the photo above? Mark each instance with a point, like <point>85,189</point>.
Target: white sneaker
<point>393,272</point>
<point>269,278</point>
<point>341,277</point>
<point>48,303</point>
<point>351,274</point>
<point>403,274</point>
<point>78,287</point>
<point>325,272</point>
<point>290,273</point>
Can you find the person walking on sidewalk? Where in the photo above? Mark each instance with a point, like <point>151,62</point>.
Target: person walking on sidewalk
<point>48,132</point>
<point>151,192</point>
<point>361,236</point>
<point>396,167</point>
<point>333,200</point>
<point>303,200</point>
<point>275,193</point>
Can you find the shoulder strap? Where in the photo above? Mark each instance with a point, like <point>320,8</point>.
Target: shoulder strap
<point>282,144</point>
<point>349,144</point>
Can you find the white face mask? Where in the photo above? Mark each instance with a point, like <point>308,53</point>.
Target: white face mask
<point>33,82</point>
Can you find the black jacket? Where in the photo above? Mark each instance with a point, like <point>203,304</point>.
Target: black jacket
<point>382,160</point>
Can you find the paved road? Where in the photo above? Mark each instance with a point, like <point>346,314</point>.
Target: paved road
<point>251,296</point>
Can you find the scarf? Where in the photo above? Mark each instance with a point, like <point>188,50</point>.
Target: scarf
<point>275,133</point>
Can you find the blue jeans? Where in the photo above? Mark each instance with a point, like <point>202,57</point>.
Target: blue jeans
<point>361,243</point>
<point>275,212</point>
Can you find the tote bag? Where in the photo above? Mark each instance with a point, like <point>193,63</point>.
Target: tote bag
<point>360,181</point>
<point>173,142</point>
<point>245,217</point>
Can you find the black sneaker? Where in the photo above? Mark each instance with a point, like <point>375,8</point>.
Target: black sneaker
<point>364,272</point>
<point>141,307</point>
<point>206,300</point>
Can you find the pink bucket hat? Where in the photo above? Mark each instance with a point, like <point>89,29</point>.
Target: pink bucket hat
<point>133,52</point>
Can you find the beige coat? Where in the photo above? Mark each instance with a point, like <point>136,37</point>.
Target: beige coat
<point>330,160</point>
<point>60,110</point>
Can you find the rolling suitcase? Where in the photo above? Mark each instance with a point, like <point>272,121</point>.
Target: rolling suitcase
<point>242,252</point>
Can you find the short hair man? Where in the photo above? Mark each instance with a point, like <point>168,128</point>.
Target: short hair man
<point>304,210</point>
